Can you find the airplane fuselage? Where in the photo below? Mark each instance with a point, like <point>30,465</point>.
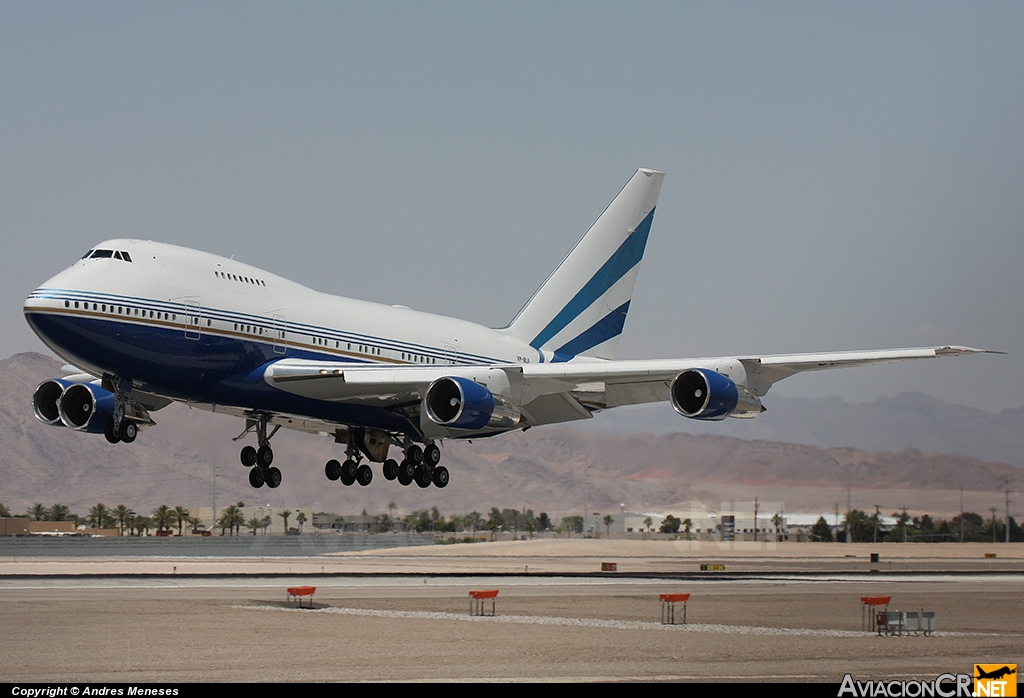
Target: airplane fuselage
<point>196,327</point>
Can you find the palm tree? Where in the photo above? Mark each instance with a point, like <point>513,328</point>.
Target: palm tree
<point>687,525</point>
<point>121,515</point>
<point>300,519</point>
<point>38,512</point>
<point>232,519</point>
<point>777,522</point>
<point>4,511</point>
<point>143,524</point>
<point>98,515</point>
<point>608,520</point>
<point>59,512</point>
<point>180,513</point>
<point>284,514</point>
<point>254,524</point>
<point>194,522</point>
<point>162,517</point>
<point>648,522</point>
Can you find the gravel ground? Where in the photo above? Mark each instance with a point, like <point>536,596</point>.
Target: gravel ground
<point>171,630</point>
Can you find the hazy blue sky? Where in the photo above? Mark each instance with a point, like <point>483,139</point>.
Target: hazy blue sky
<point>838,175</point>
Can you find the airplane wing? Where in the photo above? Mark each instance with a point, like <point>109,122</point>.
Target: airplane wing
<point>560,392</point>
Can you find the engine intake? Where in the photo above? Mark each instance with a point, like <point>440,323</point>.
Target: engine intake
<point>461,403</point>
<point>700,393</point>
<point>46,400</point>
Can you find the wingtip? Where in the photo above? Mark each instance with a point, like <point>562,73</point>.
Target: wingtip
<point>957,351</point>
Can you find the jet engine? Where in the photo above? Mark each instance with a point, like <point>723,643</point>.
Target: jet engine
<point>461,403</point>
<point>700,393</point>
<point>86,407</point>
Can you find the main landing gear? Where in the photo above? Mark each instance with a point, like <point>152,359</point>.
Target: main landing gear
<point>260,459</point>
<point>126,432</point>
<point>419,465</point>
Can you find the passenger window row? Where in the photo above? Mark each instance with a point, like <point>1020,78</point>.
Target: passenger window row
<point>239,327</point>
<point>123,310</point>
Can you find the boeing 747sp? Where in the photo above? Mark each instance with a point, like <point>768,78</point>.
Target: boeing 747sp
<point>145,323</point>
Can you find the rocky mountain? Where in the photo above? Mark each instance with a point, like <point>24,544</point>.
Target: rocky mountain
<point>543,469</point>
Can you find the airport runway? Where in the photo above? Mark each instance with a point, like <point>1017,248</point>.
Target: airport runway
<point>378,627</point>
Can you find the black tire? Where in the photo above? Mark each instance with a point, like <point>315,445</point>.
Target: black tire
<point>256,478</point>
<point>422,477</point>
<point>407,467</point>
<point>348,472</point>
<point>414,454</point>
<point>390,469</point>
<point>108,431</point>
<point>404,476</point>
<point>129,430</point>
<point>432,455</point>
<point>440,477</point>
<point>264,456</point>
<point>248,456</point>
<point>364,475</point>
<point>272,477</point>
<point>332,470</point>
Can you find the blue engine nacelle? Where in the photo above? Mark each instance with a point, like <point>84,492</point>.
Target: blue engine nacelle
<point>86,407</point>
<point>701,393</point>
<point>460,403</point>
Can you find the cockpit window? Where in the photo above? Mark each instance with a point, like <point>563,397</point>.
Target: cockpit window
<point>108,254</point>
<point>86,255</point>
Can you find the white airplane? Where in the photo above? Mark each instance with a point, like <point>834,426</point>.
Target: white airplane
<point>144,324</point>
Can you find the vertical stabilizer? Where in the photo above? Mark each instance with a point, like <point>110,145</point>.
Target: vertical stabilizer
<point>581,309</point>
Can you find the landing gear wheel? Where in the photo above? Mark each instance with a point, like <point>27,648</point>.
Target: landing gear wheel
<point>407,468</point>
<point>390,469</point>
<point>348,472</point>
<point>264,456</point>
<point>129,430</point>
<point>108,431</point>
<point>432,455</point>
<point>332,470</point>
<point>256,478</point>
<point>272,477</point>
<point>404,475</point>
<point>422,477</point>
<point>440,477</point>
<point>364,475</point>
<point>248,456</point>
<point>414,455</point>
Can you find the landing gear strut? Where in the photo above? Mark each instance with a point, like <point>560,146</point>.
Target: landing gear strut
<point>122,425</point>
<point>260,459</point>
